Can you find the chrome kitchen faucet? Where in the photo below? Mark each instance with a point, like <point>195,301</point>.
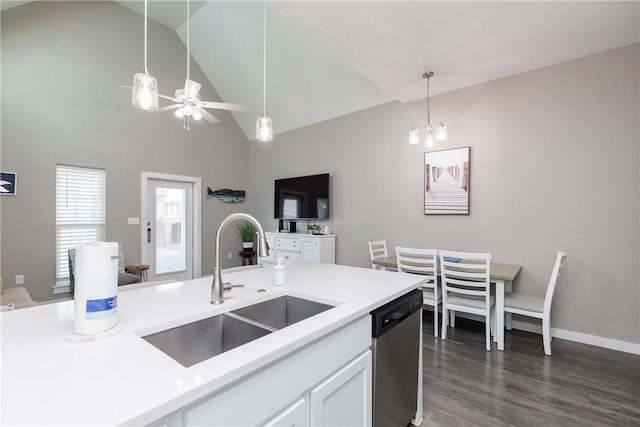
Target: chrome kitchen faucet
<point>217,294</point>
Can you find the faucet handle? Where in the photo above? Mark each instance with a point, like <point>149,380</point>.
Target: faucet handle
<point>226,287</point>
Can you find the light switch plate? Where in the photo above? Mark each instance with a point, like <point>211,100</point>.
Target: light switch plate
<point>20,279</point>
<point>133,220</point>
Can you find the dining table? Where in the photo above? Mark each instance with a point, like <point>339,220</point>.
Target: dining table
<point>501,276</point>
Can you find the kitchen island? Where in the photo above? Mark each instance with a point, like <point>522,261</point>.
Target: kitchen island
<point>124,380</point>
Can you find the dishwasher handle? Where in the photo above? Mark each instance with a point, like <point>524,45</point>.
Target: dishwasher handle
<point>389,315</point>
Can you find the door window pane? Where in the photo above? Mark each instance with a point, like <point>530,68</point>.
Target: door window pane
<point>170,230</point>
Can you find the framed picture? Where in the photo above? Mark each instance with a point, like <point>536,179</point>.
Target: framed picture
<point>8,183</point>
<point>446,182</point>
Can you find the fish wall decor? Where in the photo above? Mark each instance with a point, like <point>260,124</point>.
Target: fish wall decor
<point>226,195</point>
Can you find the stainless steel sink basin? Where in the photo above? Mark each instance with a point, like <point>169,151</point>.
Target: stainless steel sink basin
<point>282,311</point>
<point>194,342</point>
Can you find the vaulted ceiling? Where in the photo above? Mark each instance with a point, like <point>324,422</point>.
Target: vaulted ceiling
<point>330,58</point>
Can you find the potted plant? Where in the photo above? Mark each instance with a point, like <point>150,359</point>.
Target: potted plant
<point>313,228</point>
<point>247,233</point>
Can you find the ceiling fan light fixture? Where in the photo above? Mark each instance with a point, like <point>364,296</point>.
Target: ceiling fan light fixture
<point>179,114</point>
<point>187,110</point>
<point>196,115</point>
<point>264,129</point>
<point>144,92</point>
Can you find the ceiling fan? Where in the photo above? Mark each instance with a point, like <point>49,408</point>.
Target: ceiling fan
<point>188,103</point>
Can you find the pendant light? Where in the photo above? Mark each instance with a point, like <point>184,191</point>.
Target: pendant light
<point>144,94</point>
<point>264,126</point>
<point>433,133</point>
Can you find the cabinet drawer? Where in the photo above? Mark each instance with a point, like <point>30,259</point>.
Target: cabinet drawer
<point>288,257</point>
<point>286,243</point>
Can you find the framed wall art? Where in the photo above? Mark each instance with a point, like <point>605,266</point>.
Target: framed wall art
<point>446,182</point>
<point>8,183</point>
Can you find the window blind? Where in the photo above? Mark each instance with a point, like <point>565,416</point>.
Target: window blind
<point>80,211</point>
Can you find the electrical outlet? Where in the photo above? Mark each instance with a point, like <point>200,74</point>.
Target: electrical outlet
<point>20,279</point>
<point>230,255</point>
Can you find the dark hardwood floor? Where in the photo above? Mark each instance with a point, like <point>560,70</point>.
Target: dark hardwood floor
<point>578,385</point>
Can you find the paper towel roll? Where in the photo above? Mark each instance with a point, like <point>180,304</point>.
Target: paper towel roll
<point>96,288</point>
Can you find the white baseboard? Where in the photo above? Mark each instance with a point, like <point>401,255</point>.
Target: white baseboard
<point>536,328</point>
<point>627,347</point>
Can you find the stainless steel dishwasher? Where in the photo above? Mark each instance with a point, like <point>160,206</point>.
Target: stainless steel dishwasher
<point>396,341</point>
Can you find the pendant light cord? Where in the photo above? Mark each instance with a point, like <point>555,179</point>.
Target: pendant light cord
<point>428,104</point>
<point>264,60</point>
<point>188,41</point>
<point>145,37</point>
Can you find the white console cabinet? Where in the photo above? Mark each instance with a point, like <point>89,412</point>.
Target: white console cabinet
<point>293,248</point>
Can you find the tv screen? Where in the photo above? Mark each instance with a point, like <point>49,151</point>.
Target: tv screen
<point>304,197</point>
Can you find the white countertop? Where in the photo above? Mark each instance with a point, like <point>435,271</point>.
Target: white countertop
<point>122,379</point>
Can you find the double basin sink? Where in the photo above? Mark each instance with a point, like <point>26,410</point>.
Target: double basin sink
<point>197,341</point>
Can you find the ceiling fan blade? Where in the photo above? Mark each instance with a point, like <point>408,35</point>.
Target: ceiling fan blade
<point>191,89</point>
<point>168,108</point>
<point>207,115</point>
<point>125,87</point>
<point>167,97</point>
<point>223,106</point>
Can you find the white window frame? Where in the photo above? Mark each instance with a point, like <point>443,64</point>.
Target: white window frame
<point>83,212</point>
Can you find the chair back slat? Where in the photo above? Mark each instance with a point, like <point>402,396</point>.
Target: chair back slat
<point>466,291</point>
<point>466,283</point>
<point>464,275</point>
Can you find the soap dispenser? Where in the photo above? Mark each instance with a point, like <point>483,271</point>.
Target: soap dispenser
<point>278,276</point>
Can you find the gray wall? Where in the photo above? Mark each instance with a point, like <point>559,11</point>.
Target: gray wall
<point>62,63</point>
<point>554,165</point>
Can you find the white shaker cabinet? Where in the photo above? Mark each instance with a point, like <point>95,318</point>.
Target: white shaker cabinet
<point>294,248</point>
<point>344,398</point>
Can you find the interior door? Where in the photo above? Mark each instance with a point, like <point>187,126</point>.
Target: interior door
<point>169,230</point>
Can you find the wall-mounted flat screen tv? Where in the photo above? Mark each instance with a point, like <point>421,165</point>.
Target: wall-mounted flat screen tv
<point>304,197</point>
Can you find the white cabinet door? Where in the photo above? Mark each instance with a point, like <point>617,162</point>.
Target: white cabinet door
<point>344,399</point>
<point>309,250</point>
<point>296,415</point>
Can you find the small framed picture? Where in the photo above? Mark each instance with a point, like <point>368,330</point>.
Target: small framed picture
<point>8,183</point>
<point>446,182</point>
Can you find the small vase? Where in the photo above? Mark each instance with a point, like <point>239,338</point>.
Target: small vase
<point>247,246</point>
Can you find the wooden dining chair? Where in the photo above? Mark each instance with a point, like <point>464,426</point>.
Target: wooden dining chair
<point>425,262</point>
<point>539,308</point>
<point>377,249</point>
<point>466,287</point>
